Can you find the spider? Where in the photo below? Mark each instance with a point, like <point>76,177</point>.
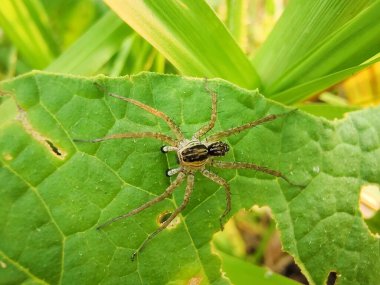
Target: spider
<point>194,155</point>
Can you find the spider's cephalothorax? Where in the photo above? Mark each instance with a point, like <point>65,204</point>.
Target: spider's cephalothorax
<point>194,155</point>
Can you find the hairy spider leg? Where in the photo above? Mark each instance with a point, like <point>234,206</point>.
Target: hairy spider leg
<point>173,171</point>
<point>220,181</point>
<point>229,132</point>
<point>202,131</point>
<point>152,135</point>
<point>179,135</point>
<point>167,148</point>
<point>179,179</point>
<point>248,165</point>
<point>186,199</point>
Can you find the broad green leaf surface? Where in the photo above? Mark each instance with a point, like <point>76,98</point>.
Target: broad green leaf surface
<point>190,36</point>
<point>52,200</point>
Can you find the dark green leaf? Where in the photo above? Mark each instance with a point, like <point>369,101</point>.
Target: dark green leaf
<point>53,198</point>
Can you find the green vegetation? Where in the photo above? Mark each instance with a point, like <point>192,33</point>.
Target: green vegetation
<point>54,192</point>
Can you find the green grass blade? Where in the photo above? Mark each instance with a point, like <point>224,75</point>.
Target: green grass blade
<point>317,38</point>
<point>70,24</point>
<point>236,17</point>
<point>122,56</point>
<point>26,24</point>
<point>190,36</point>
<point>327,111</point>
<point>241,272</point>
<point>305,90</point>
<point>143,54</point>
<point>89,53</point>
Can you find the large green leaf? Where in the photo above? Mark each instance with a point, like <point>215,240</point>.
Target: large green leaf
<point>54,192</point>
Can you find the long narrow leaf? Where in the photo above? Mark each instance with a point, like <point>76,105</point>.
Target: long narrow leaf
<point>317,38</point>
<point>305,90</point>
<point>243,272</point>
<point>327,111</point>
<point>94,48</point>
<point>190,36</point>
<point>26,24</point>
<point>125,50</point>
<point>236,19</point>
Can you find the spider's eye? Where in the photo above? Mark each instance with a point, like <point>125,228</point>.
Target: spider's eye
<point>218,149</point>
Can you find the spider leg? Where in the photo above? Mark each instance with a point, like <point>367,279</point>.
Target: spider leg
<point>173,171</point>
<point>167,148</point>
<point>167,193</point>
<point>226,133</point>
<point>157,136</point>
<point>155,112</point>
<point>186,199</point>
<point>226,186</point>
<point>202,131</point>
<point>247,165</point>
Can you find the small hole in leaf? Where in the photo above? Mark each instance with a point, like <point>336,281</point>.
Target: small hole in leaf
<point>164,216</point>
<point>369,205</point>
<point>369,200</point>
<point>331,279</point>
<point>252,235</point>
<point>53,148</point>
